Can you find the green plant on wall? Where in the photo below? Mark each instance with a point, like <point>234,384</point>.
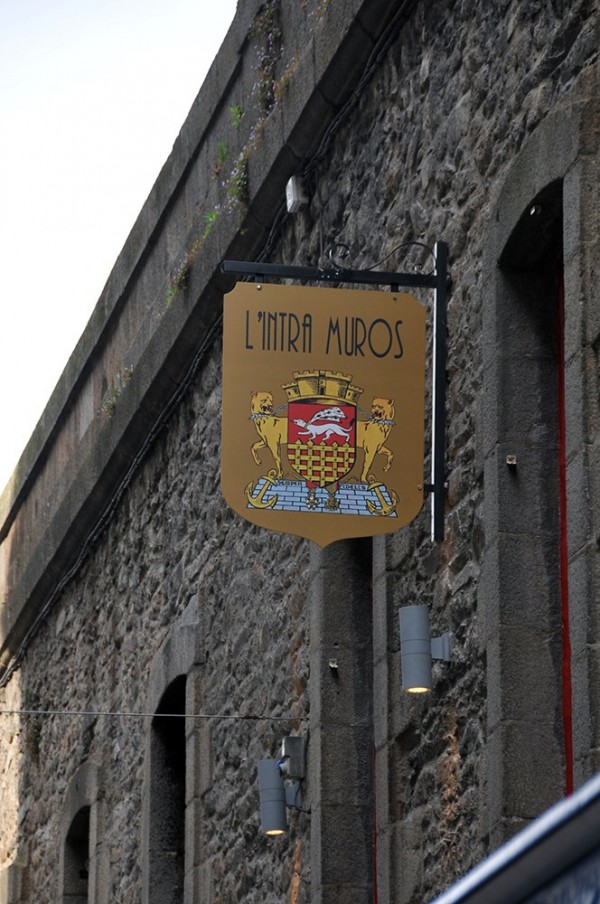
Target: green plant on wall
<point>235,114</point>
<point>281,85</point>
<point>210,219</point>
<point>222,151</point>
<point>266,26</point>
<point>121,380</point>
<point>174,287</point>
<point>269,91</point>
<point>180,276</point>
<point>238,187</point>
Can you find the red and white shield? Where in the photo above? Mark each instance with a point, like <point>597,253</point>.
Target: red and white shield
<point>321,440</point>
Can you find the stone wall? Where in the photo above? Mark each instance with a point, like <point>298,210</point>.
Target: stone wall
<point>173,550</point>
<point>127,569</point>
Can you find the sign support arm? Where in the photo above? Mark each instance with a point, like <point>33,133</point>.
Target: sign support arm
<point>438,438</point>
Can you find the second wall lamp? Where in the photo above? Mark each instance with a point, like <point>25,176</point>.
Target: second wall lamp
<point>418,648</point>
<point>279,785</point>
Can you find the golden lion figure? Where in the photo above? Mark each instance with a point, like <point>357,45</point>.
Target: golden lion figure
<point>271,429</point>
<point>372,434</point>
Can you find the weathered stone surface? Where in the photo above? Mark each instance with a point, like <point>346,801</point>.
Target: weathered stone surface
<point>114,533</point>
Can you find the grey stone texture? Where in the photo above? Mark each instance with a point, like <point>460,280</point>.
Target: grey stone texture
<point>122,570</point>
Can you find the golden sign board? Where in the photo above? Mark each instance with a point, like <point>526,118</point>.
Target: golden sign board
<point>323,409</point>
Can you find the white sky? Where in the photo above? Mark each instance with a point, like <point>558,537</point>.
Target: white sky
<point>92,96</point>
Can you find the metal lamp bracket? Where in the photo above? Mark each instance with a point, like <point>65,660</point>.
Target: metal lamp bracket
<point>293,754</point>
<point>441,647</point>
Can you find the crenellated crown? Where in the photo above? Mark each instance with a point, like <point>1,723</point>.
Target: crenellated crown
<point>325,385</point>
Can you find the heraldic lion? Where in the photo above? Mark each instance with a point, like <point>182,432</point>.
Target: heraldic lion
<point>271,429</point>
<point>372,434</point>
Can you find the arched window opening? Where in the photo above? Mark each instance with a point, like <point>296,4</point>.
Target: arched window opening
<point>533,264</point>
<point>539,578</point>
<point>528,650</point>
<point>167,793</point>
<point>532,351</point>
<point>77,857</point>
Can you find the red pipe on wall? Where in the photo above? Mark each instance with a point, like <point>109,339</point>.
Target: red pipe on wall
<point>375,892</point>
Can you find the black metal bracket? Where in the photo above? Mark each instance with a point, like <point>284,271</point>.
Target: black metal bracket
<point>438,400</point>
<point>437,280</point>
<point>330,274</point>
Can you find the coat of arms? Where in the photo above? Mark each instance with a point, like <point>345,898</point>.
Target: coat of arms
<point>320,434</point>
<point>329,452</point>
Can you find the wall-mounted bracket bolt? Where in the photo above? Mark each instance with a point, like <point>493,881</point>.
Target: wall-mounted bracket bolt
<point>293,757</point>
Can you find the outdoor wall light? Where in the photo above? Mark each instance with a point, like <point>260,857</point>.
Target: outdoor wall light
<point>273,817</point>
<point>418,648</point>
<point>279,786</point>
<point>295,196</point>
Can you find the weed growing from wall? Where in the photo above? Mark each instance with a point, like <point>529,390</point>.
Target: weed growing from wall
<point>235,114</point>
<point>267,27</point>
<point>120,382</point>
<point>222,151</point>
<point>238,194</point>
<point>268,92</point>
<point>210,218</point>
<point>180,275</point>
<point>281,85</point>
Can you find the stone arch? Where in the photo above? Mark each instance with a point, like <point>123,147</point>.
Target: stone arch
<point>82,871</point>
<point>547,209</point>
<point>173,777</point>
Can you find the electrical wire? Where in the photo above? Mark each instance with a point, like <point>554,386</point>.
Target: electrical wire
<point>380,49</point>
<point>157,715</point>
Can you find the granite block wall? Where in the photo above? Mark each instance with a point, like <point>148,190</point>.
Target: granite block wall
<point>404,121</point>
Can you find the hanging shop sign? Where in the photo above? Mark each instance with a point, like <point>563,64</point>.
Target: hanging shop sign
<point>323,409</point>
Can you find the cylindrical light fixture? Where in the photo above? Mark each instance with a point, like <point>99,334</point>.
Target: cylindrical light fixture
<point>415,649</point>
<point>273,815</point>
